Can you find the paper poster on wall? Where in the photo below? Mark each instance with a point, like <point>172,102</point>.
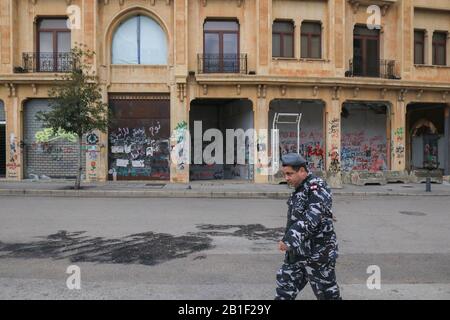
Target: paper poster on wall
<point>149,152</point>
<point>122,162</point>
<point>138,164</point>
<point>127,149</point>
<point>117,149</point>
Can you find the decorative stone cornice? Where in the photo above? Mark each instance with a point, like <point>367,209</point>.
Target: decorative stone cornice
<point>262,91</point>
<point>401,94</point>
<point>238,2</point>
<point>383,4</point>
<point>33,86</point>
<point>181,91</point>
<point>419,93</point>
<point>336,91</point>
<point>315,91</point>
<point>12,89</point>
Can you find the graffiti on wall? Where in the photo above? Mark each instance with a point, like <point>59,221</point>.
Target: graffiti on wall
<point>333,128</point>
<point>399,151</point>
<point>13,164</point>
<point>335,165</point>
<point>398,134</point>
<point>361,151</point>
<point>311,147</point>
<point>262,156</point>
<point>179,149</point>
<point>47,135</point>
<point>91,155</point>
<point>139,152</point>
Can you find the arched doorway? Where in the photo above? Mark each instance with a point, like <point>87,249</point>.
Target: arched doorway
<point>425,136</point>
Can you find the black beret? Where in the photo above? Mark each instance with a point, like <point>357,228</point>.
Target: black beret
<point>293,159</point>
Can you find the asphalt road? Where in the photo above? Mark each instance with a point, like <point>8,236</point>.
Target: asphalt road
<point>212,248</point>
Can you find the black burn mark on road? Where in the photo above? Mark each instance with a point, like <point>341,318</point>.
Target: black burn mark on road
<point>147,248</point>
<point>250,231</point>
<point>144,248</point>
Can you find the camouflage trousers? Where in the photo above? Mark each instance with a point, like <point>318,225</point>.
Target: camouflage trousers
<point>293,277</point>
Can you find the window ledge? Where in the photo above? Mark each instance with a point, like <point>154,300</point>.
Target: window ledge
<point>314,60</point>
<point>284,58</point>
<point>300,59</point>
<point>430,66</point>
<point>139,65</point>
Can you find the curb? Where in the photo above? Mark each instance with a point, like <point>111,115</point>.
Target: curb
<point>191,194</point>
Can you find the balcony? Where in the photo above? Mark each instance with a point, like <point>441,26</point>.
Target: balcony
<point>376,69</point>
<point>45,62</point>
<point>226,63</point>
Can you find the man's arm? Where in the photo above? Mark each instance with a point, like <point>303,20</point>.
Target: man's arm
<point>307,222</point>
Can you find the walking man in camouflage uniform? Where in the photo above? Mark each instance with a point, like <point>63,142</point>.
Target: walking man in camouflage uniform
<point>309,242</point>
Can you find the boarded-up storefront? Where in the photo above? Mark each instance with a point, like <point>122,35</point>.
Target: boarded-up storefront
<point>363,138</point>
<point>311,141</point>
<point>47,154</point>
<point>220,115</point>
<point>139,137</point>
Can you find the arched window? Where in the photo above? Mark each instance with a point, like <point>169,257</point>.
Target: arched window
<point>139,40</point>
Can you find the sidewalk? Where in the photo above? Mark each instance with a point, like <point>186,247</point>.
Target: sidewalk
<point>199,189</point>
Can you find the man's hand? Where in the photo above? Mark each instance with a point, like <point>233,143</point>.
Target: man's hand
<point>283,246</point>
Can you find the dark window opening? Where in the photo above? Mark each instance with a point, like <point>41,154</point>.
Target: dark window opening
<point>419,47</point>
<point>311,40</point>
<point>440,48</point>
<point>366,52</point>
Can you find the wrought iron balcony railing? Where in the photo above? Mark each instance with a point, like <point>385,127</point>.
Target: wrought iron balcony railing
<point>378,69</point>
<point>222,63</point>
<point>46,62</point>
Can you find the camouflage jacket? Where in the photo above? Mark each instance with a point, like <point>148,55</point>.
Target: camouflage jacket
<point>309,229</point>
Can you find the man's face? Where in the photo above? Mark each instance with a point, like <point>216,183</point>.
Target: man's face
<point>294,178</point>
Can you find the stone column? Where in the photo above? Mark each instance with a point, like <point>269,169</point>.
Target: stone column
<point>333,139</point>
<point>447,141</point>
<point>180,138</point>
<point>263,36</point>
<point>14,138</point>
<point>262,128</point>
<point>407,34</point>
<point>398,138</point>
<point>97,152</point>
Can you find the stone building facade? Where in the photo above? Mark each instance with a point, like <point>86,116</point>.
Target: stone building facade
<point>373,104</point>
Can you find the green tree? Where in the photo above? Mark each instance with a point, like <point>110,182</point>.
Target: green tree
<point>76,102</point>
